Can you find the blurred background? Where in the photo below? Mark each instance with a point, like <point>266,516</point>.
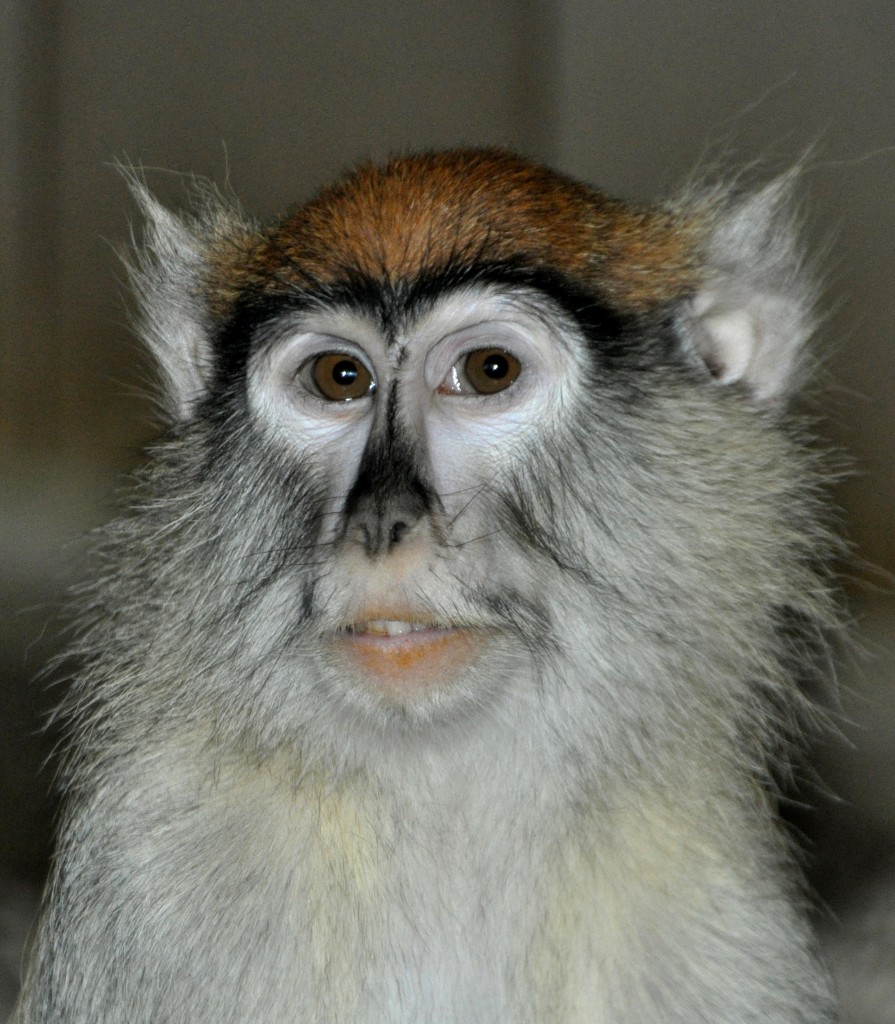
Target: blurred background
<point>277,98</point>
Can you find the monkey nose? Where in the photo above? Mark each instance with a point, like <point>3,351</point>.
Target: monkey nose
<point>378,537</point>
<point>378,530</point>
<point>385,507</point>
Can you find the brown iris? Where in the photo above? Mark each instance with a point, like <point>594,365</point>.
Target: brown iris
<point>340,377</point>
<point>490,370</point>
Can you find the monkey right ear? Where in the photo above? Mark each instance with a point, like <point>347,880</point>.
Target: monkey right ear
<point>165,270</point>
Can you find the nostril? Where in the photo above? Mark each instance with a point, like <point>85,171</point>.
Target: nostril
<point>397,532</point>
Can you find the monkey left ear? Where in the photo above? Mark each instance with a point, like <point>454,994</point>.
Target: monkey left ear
<point>165,270</point>
<point>751,318</point>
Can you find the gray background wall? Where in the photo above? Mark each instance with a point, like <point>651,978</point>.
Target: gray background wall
<point>277,97</point>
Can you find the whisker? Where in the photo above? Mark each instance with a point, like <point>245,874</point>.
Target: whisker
<point>478,491</point>
<point>474,540</point>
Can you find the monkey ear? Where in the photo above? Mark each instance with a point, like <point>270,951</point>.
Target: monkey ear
<point>751,318</point>
<point>165,270</point>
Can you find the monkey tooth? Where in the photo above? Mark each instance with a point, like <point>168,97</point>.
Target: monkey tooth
<point>390,627</point>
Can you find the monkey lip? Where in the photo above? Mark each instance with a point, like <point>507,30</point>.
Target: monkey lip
<point>403,655</point>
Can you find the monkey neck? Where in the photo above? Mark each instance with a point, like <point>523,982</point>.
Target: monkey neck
<point>438,876</point>
<point>463,802</point>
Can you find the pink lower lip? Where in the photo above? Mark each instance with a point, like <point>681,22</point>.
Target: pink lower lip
<point>409,660</point>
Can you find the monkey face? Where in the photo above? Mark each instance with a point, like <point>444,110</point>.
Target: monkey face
<point>412,426</point>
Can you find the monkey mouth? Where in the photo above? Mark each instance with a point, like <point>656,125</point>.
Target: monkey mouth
<point>399,656</point>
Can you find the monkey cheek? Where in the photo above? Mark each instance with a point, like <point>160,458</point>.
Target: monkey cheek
<point>401,667</point>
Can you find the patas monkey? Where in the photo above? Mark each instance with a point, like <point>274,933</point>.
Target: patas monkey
<point>442,667</point>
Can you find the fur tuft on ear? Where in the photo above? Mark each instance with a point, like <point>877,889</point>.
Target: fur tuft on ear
<point>166,270</point>
<point>751,318</point>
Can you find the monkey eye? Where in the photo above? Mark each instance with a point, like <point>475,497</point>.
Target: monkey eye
<point>337,377</point>
<point>484,371</point>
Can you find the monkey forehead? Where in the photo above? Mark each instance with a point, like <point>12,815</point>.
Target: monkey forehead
<point>430,214</point>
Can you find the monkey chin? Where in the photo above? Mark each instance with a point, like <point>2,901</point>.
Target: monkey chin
<point>402,660</point>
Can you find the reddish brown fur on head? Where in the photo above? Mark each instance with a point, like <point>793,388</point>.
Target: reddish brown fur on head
<point>420,215</point>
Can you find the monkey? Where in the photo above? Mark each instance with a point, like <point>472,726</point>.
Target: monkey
<point>447,658</point>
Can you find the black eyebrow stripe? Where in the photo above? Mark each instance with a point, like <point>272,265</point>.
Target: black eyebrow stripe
<point>390,303</point>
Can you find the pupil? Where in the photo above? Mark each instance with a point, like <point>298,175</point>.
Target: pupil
<point>496,366</point>
<point>345,372</point>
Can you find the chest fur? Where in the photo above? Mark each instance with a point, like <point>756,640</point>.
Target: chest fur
<point>337,902</point>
